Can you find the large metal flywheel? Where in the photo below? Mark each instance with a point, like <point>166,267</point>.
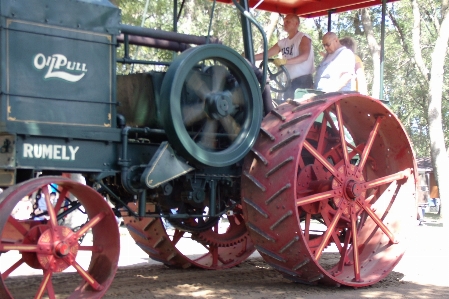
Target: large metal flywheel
<point>211,105</point>
<point>328,190</point>
<point>45,243</point>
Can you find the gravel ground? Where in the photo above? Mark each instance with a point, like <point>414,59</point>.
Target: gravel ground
<point>420,274</point>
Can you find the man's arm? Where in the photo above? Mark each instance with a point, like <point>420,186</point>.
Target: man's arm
<point>304,49</point>
<point>271,52</point>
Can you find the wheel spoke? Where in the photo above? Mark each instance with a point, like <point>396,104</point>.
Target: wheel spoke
<point>355,151</point>
<point>90,224</point>
<point>388,179</point>
<point>379,223</point>
<point>342,133</point>
<point>219,74</point>
<point>321,139</point>
<point>333,234</point>
<point>231,127</point>
<point>192,114</point>
<point>196,83</point>
<point>317,197</point>
<point>355,245</point>
<point>17,225</point>
<point>328,233</point>
<point>87,277</point>
<point>61,198</point>
<point>44,286</point>
<point>91,248</point>
<point>369,144</point>
<point>322,160</point>
<point>22,247</point>
<point>12,268</point>
<point>344,253</point>
<point>178,234</point>
<point>237,97</point>
<point>50,209</point>
<point>328,117</point>
<point>307,227</point>
<point>214,251</point>
<point>208,138</point>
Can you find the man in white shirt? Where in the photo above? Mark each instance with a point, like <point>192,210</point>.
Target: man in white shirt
<point>297,56</point>
<point>336,70</point>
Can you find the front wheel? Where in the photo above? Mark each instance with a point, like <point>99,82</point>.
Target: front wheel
<point>40,244</point>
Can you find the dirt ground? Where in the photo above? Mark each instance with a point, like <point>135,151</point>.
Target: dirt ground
<point>422,273</point>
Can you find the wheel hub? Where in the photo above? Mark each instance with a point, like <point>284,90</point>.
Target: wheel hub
<point>62,249</point>
<point>218,104</point>
<point>353,189</point>
<point>58,249</point>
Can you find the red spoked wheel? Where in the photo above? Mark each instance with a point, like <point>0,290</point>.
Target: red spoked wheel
<point>328,191</point>
<point>44,246</point>
<point>224,245</point>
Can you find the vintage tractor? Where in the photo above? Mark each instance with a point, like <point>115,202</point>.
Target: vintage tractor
<point>322,187</point>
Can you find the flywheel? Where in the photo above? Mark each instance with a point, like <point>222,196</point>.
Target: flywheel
<point>211,105</point>
<point>328,190</point>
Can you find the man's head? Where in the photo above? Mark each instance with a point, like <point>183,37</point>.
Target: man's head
<point>291,22</point>
<point>331,42</point>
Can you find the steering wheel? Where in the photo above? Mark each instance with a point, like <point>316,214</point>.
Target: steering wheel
<point>279,76</point>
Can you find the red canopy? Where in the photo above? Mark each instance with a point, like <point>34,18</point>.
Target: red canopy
<point>310,8</point>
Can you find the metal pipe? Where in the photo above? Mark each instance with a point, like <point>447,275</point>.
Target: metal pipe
<point>382,53</point>
<point>167,35</point>
<point>246,14</point>
<point>153,42</point>
<point>213,198</point>
<point>142,203</point>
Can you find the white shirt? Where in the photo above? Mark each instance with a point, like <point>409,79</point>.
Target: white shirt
<point>329,71</point>
<point>290,49</point>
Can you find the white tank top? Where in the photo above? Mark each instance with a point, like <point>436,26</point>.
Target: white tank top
<point>290,49</point>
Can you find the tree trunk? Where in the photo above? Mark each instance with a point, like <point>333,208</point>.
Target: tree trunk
<point>439,154</point>
<point>375,51</point>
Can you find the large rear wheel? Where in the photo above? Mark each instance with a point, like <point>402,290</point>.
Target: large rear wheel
<point>328,192</point>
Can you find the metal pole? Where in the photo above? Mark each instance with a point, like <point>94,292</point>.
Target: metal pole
<point>247,34</point>
<point>382,53</point>
<point>175,14</point>
<point>329,20</point>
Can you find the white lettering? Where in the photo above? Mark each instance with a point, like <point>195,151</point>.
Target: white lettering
<point>39,61</point>
<point>73,152</point>
<point>57,152</point>
<point>64,154</point>
<point>27,150</point>
<point>50,151</point>
<point>58,65</point>
<point>38,150</point>
<point>47,151</point>
<point>61,60</point>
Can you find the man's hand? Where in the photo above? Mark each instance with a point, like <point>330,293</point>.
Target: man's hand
<point>279,61</point>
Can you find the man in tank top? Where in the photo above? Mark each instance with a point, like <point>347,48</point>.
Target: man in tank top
<point>297,56</point>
